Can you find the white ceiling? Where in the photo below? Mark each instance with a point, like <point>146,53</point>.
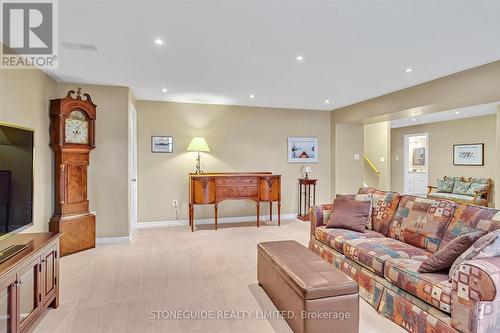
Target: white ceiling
<point>222,51</point>
<point>468,112</point>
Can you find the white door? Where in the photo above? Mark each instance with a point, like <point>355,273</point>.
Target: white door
<point>133,168</point>
<point>416,164</point>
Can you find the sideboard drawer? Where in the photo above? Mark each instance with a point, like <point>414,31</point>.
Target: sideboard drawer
<point>244,181</point>
<point>236,192</point>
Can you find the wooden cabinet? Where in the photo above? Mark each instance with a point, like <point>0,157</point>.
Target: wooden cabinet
<point>28,281</point>
<point>213,188</point>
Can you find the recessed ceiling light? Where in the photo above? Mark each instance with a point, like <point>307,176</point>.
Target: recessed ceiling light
<point>457,112</point>
<point>159,41</point>
<point>413,119</point>
<point>251,96</point>
<point>327,101</point>
<point>409,70</point>
<point>299,58</point>
<point>164,90</point>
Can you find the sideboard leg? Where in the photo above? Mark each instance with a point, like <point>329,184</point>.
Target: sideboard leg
<point>279,213</point>
<point>258,214</point>
<point>215,211</point>
<point>191,216</point>
<point>270,210</point>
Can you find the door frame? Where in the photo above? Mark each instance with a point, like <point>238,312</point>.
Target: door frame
<point>406,145</point>
<point>132,174</point>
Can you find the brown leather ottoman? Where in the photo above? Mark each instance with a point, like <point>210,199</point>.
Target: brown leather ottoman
<point>314,295</point>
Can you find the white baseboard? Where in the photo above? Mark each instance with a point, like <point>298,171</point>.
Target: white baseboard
<point>174,223</point>
<point>112,240</point>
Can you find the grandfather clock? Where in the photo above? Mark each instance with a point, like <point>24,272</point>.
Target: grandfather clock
<point>72,137</point>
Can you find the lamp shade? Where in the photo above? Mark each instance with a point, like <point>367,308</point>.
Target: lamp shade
<point>198,144</point>
<point>306,169</point>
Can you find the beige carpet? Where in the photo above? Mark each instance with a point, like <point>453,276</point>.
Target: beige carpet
<point>114,288</point>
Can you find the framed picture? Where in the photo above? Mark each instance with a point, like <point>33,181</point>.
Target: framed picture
<point>418,156</point>
<point>162,144</point>
<point>302,150</point>
<point>468,154</point>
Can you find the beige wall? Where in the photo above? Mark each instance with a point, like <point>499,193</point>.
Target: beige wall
<point>348,171</point>
<point>24,96</point>
<point>377,145</point>
<point>241,139</point>
<point>108,171</point>
<point>442,137</point>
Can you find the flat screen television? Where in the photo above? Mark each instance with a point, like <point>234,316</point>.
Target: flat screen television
<point>16,179</point>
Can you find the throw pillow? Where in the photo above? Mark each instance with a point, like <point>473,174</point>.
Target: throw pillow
<point>445,185</point>
<point>349,214</point>
<point>360,197</point>
<point>461,187</point>
<point>485,247</point>
<point>476,187</point>
<point>444,258</point>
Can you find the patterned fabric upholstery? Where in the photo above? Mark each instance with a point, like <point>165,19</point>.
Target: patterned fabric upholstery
<point>374,252</point>
<point>412,318</point>
<point>433,288</point>
<point>335,237</point>
<point>475,296</point>
<point>459,198</point>
<point>421,222</point>
<point>384,208</point>
<point>460,187</point>
<point>469,219</point>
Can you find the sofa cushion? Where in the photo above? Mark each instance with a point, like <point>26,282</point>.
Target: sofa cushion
<point>350,214</point>
<point>460,187</point>
<point>469,219</point>
<point>335,238</point>
<point>477,189</point>
<point>446,255</point>
<point>421,222</point>
<point>445,185</point>
<point>374,252</point>
<point>384,208</point>
<point>433,288</point>
<point>459,198</point>
<point>359,197</point>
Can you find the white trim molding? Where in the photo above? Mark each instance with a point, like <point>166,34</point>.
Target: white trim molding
<point>237,219</point>
<point>112,240</point>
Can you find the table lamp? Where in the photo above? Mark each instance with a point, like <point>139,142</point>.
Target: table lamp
<point>198,144</point>
<point>306,171</point>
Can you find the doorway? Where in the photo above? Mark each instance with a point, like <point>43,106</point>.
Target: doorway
<point>416,163</point>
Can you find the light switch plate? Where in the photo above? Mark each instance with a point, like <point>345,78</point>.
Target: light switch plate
<point>356,157</point>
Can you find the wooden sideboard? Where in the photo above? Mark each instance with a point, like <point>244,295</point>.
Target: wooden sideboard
<point>213,188</point>
<point>29,280</point>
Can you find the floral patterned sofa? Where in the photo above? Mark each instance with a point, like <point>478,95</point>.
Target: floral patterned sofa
<point>471,191</point>
<point>384,260</point>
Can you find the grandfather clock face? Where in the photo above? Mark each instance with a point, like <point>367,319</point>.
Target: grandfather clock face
<point>76,128</point>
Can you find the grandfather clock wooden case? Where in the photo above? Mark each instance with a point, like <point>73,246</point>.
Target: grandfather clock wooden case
<point>72,133</point>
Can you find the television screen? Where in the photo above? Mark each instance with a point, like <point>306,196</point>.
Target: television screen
<point>16,178</point>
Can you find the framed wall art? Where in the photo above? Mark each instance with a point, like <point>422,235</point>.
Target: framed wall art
<point>468,154</point>
<point>162,144</point>
<point>302,149</point>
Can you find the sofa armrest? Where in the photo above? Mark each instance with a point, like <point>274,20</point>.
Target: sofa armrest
<point>475,296</point>
<point>430,188</point>
<point>316,216</point>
